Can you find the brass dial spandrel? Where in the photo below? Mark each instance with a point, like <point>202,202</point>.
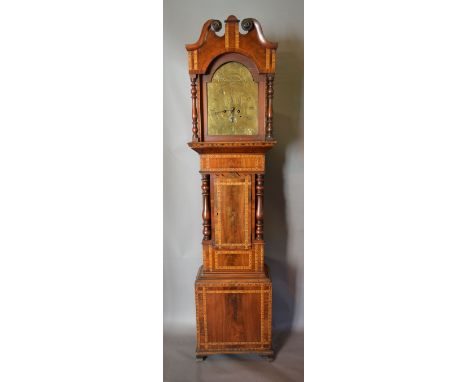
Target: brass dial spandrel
<point>232,97</point>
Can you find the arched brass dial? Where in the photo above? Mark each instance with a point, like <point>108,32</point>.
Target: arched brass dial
<point>232,97</point>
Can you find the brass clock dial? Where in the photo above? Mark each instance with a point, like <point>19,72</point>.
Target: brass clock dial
<point>232,99</point>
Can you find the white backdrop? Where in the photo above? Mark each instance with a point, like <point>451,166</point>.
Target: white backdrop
<point>282,22</point>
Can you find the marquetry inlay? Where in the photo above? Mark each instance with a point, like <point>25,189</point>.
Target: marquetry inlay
<point>222,205</point>
<point>218,254</point>
<point>232,162</point>
<point>264,339</point>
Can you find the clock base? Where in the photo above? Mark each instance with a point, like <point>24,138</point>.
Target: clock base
<point>233,315</point>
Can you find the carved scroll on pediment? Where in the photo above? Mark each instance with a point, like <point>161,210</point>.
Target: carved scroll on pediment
<point>252,44</point>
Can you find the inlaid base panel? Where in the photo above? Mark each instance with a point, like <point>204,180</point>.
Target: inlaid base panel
<point>233,316</point>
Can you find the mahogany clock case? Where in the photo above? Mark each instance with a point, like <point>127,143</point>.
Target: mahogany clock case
<point>233,288</point>
<point>183,225</point>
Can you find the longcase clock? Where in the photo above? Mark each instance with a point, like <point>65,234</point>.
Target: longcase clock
<point>232,129</point>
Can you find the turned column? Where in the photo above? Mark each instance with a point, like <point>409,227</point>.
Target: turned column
<point>206,213</point>
<point>195,137</point>
<point>269,114</point>
<point>259,207</point>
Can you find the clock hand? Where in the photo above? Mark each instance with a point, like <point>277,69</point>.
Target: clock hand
<point>231,111</point>
<point>222,111</point>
